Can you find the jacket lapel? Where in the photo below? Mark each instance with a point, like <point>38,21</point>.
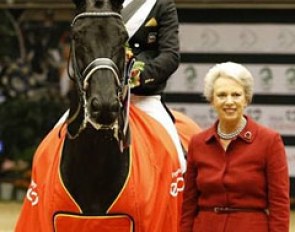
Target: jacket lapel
<point>135,13</point>
<point>130,9</point>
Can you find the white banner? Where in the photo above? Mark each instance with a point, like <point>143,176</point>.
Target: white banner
<point>268,78</point>
<point>237,38</point>
<point>291,160</point>
<point>280,118</point>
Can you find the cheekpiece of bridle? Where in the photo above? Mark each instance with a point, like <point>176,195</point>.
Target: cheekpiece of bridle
<point>82,78</point>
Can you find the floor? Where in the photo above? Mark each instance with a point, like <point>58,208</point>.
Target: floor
<point>9,212</point>
<point>8,215</point>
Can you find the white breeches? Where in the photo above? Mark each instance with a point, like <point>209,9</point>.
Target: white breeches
<point>153,106</point>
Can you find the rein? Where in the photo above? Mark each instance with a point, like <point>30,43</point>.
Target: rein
<point>82,78</point>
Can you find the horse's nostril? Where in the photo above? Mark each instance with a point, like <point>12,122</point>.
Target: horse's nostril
<point>102,111</point>
<point>114,107</point>
<point>95,104</point>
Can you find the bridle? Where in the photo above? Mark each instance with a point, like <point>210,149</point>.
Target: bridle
<point>81,79</point>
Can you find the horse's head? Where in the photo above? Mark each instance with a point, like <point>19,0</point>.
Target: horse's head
<point>98,62</point>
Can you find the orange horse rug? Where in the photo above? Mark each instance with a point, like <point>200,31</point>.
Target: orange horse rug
<point>149,201</point>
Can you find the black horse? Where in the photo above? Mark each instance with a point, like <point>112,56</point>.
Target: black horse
<point>91,174</point>
<point>96,114</point>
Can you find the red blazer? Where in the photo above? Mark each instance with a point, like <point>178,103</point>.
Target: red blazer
<point>252,173</point>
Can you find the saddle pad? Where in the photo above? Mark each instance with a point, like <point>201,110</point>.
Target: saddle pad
<point>64,222</point>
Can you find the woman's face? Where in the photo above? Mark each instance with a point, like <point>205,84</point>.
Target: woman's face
<point>229,100</point>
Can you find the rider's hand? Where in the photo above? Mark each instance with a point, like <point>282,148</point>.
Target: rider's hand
<point>137,68</point>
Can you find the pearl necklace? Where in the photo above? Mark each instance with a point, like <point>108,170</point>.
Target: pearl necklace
<point>232,134</point>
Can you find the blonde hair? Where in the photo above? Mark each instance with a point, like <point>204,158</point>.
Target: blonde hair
<point>233,71</point>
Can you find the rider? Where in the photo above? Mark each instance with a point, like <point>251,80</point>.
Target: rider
<point>152,26</point>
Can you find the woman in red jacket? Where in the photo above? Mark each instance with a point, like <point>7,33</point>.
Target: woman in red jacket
<point>237,176</point>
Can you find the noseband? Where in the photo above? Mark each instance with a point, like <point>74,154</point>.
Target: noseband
<point>82,78</point>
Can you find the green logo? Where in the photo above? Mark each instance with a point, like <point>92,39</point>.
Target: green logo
<point>255,113</point>
<point>266,78</point>
<point>191,77</point>
<point>290,115</point>
<point>290,78</point>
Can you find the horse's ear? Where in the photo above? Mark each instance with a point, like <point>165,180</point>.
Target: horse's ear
<point>117,4</point>
<point>79,3</point>
<point>76,2</point>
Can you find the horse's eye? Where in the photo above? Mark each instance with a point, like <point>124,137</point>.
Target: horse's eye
<point>75,36</point>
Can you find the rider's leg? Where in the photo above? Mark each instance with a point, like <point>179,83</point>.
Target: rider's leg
<point>153,106</point>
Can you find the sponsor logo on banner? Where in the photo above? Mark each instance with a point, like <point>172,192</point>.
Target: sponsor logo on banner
<point>283,122</point>
<point>290,78</point>
<point>191,76</point>
<point>248,38</point>
<point>209,38</point>
<point>205,118</point>
<point>266,78</point>
<point>290,115</point>
<point>244,38</point>
<point>286,38</point>
<point>255,113</point>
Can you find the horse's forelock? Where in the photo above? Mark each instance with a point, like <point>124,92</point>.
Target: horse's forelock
<point>104,28</point>
<point>114,3</point>
<point>97,5</point>
<point>98,37</point>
